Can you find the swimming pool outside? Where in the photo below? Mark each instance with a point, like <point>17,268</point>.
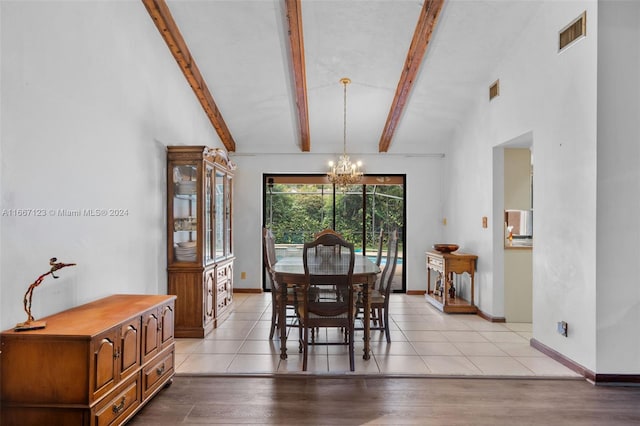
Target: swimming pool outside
<point>294,250</point>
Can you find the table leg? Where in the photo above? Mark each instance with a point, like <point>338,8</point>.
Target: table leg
<point>367,319</point>
<point>282,320</point>
<point>473,303</point>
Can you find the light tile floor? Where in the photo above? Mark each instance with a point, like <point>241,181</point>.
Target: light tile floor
<point>425,342</point>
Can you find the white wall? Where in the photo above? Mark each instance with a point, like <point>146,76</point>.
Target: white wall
<point>553,96</point>
<point>1,162</point>
<point>423,222</point>
<point>90,98</point>
<point>618,253</point>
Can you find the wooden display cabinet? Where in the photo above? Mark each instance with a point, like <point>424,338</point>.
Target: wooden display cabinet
<point>445,297</point>
<point>199,237</point>
<point>96,364</point>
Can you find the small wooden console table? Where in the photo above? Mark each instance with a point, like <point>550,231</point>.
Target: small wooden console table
<point>447,264</point>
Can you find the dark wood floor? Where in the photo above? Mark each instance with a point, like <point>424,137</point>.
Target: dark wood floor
<point>392,401</point>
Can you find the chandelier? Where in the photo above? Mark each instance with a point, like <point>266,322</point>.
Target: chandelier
<point>344,172</point>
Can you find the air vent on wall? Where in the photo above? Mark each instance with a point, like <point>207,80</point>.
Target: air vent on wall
<point>574,31</point>
<point>494,89</point>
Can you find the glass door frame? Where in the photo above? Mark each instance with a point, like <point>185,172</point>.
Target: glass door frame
<point>269,179</point>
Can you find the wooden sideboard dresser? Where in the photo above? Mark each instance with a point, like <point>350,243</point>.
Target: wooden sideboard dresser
<point>445,265</point>
<point>96,364</point>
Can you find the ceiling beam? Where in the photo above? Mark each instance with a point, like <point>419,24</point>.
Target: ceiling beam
<point>161,16</point>
<point>421,37</point>
<point>296,42</point>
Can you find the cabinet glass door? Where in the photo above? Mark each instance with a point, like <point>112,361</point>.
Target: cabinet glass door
<point>185,222</point>
<point>208,215</point>
<point>219,214</point>
<point>228,237</point>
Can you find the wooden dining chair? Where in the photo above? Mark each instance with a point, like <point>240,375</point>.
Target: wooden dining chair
<point>269,250</point>
<point>328,231</point>
<point>378,261</point>
<point>380,244</point>
<point>379,298</point>
<point>327,296</point>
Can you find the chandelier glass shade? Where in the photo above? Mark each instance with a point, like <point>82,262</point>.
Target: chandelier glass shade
<point>344,172</point>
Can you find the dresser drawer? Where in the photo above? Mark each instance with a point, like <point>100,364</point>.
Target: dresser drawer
<point>435,264</point>
<point>157,373</point>
<point>224,273</point>
<point>223,286</point>
<point>115,409</point>
<point>222,296</point>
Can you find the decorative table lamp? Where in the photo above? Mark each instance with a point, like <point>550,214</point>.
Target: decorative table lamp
<point>31,323</point>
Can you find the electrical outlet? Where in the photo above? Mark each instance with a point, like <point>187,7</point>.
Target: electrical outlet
<point>243,275</point>
<point>563,328</point>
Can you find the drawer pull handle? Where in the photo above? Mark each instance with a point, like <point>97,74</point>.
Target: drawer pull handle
<point>160,370</point>
<point>117,408</point>
<point>116,353</point>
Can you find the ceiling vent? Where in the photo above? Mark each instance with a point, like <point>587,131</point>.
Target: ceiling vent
<point>576,30</point>
<point>494,89</point>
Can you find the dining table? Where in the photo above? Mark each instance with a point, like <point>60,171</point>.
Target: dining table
<point>289,272</point>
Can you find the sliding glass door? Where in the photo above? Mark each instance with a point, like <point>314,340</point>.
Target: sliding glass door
<point>385,211</point>
<point>298,206</point>
<point>349,221</point>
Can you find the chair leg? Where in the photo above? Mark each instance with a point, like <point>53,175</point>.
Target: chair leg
<point>374,317</point>
<point>352,364</point>
<point>301,340</point>
<point>385,311</point>
<point>274,317</point>
<point>305,350</point>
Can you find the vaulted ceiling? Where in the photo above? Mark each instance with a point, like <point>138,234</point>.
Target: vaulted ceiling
<point>267,72</point>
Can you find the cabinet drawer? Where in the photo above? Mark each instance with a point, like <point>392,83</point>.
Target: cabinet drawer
<point>223,273</point>
<point>223,286</point>
<point>222,303</point>
<point>436,264</point>
<point>157,373</point>
<point>222,298</point>
<point>114,410</point>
